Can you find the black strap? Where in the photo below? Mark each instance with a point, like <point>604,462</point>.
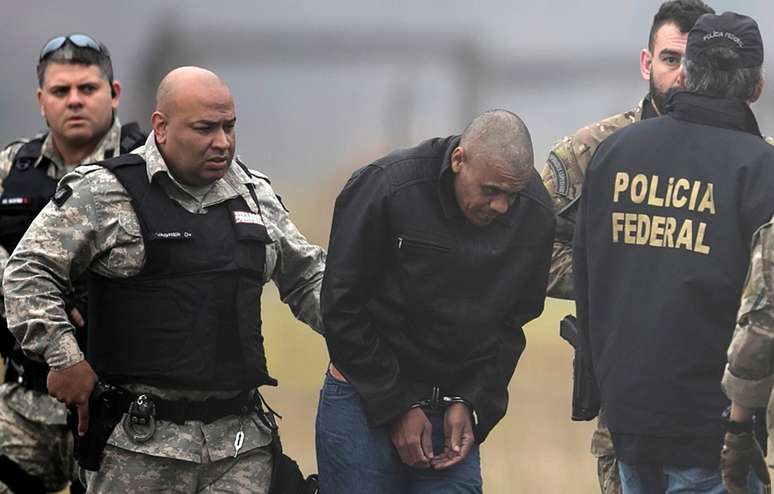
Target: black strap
<point>16,479</point>
<point>131,137</point>
<point>179,411</point>
<point>206,411</point>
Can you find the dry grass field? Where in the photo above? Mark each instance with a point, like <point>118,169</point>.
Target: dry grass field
<point>535,449</point>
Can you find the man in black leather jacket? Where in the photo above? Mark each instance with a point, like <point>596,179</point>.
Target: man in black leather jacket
<point>438,256</point>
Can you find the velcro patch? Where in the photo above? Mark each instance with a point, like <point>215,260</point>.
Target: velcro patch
<point>62,194</point>
<point>559,171</point>
<point>247,217</point>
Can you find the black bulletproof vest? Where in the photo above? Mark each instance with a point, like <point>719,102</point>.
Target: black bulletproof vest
<point>28,188</point>
<point>191,318</point>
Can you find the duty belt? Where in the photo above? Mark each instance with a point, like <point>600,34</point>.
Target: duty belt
<point>179,411</point>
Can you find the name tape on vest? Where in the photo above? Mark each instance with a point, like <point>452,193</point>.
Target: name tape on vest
<point>15,201</point>
<point>247,217</point>
<point>172,236</point>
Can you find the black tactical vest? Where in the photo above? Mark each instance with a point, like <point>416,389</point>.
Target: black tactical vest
<point>28,188</point>
<point>191,318</point>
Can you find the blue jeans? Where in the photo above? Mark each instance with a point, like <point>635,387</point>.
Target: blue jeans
<point>353,458</point>
<point>677,480</point>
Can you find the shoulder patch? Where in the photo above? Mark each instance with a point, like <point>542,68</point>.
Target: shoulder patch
<point>559,171</point>
<point>62,194</point>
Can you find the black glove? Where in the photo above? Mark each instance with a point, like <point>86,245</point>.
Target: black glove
<point>740,453</point>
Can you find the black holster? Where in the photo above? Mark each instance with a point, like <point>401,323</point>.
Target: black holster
<point>585,393</point>
<point>286,476</point>
<point>105,412</point>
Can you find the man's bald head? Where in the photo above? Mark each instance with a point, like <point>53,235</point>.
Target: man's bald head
<point>492,165</point>
<point>194,125</point>
<point>499,136</point>
<point>169,91</point>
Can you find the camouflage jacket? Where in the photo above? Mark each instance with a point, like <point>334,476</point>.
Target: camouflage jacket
<point>749,374</point>
<point>563,178</point>
<point>97,230</point>
<point>32,405</point>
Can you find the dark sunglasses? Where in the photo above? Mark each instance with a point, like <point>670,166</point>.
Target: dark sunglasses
<point>79,40</point>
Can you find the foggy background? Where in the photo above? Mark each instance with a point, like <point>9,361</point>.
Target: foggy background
<point>322,88</point>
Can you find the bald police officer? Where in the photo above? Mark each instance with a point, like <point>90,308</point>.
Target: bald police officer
<point>78,99</point>
<point>178,239</point>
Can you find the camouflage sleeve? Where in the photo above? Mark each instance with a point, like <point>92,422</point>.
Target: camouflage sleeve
<point>563,178</point>
<point>86,220</point>
<point>749,374</point>
<point>299,267</point>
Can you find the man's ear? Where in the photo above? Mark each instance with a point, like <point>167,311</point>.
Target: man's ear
<point>757,91</point>
<point>115,94</point>
<point>457,157</point>
<point>159,124</point>
<point>646,63</point>
<point>39,96</point>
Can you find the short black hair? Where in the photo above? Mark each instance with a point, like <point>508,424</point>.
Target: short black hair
<point>682,13</point>
<point>71,54</point>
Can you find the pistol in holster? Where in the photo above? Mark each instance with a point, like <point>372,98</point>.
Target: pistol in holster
<point>106,408</point>
<point>585,393</point>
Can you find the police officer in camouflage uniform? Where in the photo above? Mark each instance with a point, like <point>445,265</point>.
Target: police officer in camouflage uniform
<point>749,375</point>
<point>569,157</point>
<point>177,239</point>
<point>78,98</point>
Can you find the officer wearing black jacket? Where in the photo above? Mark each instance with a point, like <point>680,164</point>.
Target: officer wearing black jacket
<point>438,256</point>
<point>661,250</point>
<point>78,98</point>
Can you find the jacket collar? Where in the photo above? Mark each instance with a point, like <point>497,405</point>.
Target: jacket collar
<point>726,113</point>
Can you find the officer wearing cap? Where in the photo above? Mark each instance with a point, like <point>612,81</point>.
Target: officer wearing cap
<point>569,157</point>
<point>662,240</point>
<point>78,99</point>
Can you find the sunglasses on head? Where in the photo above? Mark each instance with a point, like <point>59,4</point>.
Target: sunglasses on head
<point>79,40</point>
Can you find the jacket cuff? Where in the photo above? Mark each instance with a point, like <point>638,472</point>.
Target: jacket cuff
<point>745,392</point>
<point>387,407</point>
<point>63,352</point>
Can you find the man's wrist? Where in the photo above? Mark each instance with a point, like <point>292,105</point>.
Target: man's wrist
<point>738,420</point>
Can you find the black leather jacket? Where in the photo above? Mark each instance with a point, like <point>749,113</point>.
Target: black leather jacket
<point>415,297</point>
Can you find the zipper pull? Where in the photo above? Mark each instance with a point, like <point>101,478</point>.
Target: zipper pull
<point>400,242</point>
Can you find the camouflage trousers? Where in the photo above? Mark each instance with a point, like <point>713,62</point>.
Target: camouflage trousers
<point>41,449</point>
<point>127,471</point>
<point>607,465</point>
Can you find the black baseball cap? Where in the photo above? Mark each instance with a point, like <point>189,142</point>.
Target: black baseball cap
<point>736,31</point>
